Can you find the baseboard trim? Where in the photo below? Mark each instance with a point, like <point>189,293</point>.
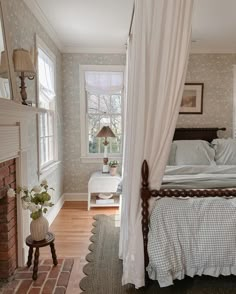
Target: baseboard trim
<point>55,210</point>
<point>75,196</point>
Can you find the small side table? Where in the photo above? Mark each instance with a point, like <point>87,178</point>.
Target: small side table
<point>49,240</point>
<point>103,183</point>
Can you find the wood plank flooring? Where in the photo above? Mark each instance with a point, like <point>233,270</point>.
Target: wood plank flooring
<point>72,228</point>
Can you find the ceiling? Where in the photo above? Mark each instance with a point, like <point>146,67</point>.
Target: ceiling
<point>214,25</point>
<point>103,25</point>
<point>87,25</point>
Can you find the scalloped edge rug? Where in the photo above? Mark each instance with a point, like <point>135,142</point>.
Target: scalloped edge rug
<point>104,269</point>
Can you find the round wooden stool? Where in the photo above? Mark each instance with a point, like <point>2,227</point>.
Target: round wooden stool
<point>49,240</point>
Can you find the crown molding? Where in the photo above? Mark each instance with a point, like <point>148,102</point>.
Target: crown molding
<point>41,17</point>
<point>94,50</point>
<point>200,47</point>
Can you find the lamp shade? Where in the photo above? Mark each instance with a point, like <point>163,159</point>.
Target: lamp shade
<point>3,65</point>
<point>23,62</point>
<point>105,132</point>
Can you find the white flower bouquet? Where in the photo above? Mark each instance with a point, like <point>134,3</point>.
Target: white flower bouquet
<point>37,199</point>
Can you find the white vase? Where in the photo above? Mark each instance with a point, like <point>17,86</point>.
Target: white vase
<point>113,170</point>
<point>39,228</point>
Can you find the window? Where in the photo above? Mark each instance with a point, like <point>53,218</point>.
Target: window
<point>46,103</point>
<point>101,105</point>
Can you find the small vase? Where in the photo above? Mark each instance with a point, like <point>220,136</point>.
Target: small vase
<point>39,228</point>
<point>113,170</point>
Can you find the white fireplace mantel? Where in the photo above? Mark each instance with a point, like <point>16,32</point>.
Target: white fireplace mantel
<point>14,143</point>
<point>15,109</point>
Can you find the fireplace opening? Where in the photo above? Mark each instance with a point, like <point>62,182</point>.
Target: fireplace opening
<point>8,220</point>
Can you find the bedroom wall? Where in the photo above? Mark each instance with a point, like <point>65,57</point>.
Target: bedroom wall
<point>216,72</point>
<point>23,26</point>
<point>76,173</point>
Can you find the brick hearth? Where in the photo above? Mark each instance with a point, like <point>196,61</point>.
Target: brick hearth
<point>8,219</point>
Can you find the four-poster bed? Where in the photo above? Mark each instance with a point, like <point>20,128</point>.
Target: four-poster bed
<point>207,134</point>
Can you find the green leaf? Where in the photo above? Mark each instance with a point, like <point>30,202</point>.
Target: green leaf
<point>45,210</point>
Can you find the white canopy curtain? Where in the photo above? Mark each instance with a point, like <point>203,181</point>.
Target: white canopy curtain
<point>158,56</point>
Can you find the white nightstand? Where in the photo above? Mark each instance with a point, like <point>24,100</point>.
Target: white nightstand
<point>103,183</point>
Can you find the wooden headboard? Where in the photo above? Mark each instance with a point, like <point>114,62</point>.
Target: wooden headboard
<point>207,134</point>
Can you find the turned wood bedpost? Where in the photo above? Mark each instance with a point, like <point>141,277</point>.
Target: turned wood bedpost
<point>145,195</point>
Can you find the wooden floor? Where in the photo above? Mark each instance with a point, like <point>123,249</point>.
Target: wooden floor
<point>72,228</point>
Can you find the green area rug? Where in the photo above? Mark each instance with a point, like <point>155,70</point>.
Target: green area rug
<point>104,269</point>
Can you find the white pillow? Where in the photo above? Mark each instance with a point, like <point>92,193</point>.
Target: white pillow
<point>194,152</point>
<point>171,159</point>
<point>225,151</point>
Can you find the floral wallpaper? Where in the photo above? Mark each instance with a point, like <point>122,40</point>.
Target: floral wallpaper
<point>76,174</point>
<point>216,72</point>
<point>23,26</point>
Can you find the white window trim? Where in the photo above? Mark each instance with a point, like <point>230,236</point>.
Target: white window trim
<point>49,167</point>
<point>85,156</point>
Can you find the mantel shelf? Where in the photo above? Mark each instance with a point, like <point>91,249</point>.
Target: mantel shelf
<point>10,108</point>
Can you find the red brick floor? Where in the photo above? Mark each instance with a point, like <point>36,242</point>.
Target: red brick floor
<point>51,279</point>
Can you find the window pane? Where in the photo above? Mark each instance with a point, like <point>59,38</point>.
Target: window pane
<point>105,121</point>
<point>50,124</point>
<point>41,125</point>
<point>43,102</point>
<point>115,144</point>
<point>93,144</point>
<point>105,105</point>
<point>116,124</point>
<point>51,149</point>
<point>46,146</point>
<point>93,124</point>
<point>42,153</point>
<point>93,103</point>
<point>116,104</point>
<point>96,122</point>
<point>45,124</point>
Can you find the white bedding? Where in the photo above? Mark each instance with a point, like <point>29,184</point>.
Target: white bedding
<point>192,237</point>
<point>199,177</point>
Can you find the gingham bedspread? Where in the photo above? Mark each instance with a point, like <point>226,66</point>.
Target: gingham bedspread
<point>192,237</point>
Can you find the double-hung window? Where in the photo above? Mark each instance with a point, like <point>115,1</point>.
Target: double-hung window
<point>47,105</point>
<point>102,89</point>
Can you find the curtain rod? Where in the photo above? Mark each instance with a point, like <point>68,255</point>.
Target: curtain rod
<point>131,21</point>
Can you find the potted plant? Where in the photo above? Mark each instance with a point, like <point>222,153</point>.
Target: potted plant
<point>113,164</point>
<point>37,200</point>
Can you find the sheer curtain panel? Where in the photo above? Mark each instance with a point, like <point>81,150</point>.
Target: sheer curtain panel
<point>158,57</point>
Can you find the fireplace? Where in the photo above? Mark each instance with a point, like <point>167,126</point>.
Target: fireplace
<point>15,121</point>
<point>8,220</point>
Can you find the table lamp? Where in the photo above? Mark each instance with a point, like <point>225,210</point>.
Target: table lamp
<point>105,132</point>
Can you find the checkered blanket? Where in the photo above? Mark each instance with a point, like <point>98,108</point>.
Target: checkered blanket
<point>192,237</point>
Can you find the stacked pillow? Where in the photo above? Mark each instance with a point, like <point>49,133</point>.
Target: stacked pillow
<point>199,152</point>
<point>225,151</point>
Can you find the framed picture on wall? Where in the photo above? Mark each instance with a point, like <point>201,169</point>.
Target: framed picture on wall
<point>192,100</point>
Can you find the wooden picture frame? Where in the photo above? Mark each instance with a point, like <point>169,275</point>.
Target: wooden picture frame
<point>192,101</point>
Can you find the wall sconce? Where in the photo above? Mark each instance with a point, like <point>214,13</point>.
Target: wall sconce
<point>105,132</point>
<point>24,67</point>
